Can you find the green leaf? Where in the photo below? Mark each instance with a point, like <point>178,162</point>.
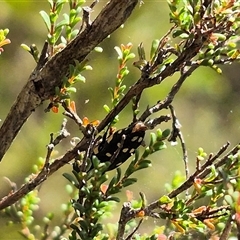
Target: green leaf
<point>113,190</point>
<point>129,181</point>
<point>219,37</point>
<point>98,49</point>
<point>79,207</point>
<point>59,5</point>
<point>166,133</point>
<point>46,20</point>
<point>122,89</point>
<point>168,61</point>
<point>72,15</point>
<point>165,199</point>
<point>172,5</point>
<point>75,21</point>
<point>66,18</point>
<point>119,52</point>
<point>51,3</point>
<point>146,152</point>
<point>53,16</point>
<point>57,33</point>
<point>136,156</point>
<point>144,164</point>
<point>115,199</point>
<point>106,108</point>
<point>5,32</point>
<point>184,36</point>
<point>76,229</point>
<point>71,89</point>
<point>123,72</point>
<point>154,47</point>
<point>71,69</point>
<point>119,174</point>
<point>26,47</point>
<point>159,146</point>
<point>234,54</point>
<point>213,175</point>
<point>74,33</point>
<point>153,139</point>
<point>80,78</point>
<point>84,225</point>
<point>197,17</point>
<point>159,134</point>
<point>177,33</point>
<point>217,69</point>
<point>61,24</point>
<point>51,39</point>
<point>204,62</point>
<point>130,56</point>
<point>103,177</point>
<point>97,228</point>
<point>70,178</point>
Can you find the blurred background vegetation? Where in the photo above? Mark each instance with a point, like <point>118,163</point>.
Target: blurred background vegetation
<point>207,105</point>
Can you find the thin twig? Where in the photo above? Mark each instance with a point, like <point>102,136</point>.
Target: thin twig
<point>53,142</point>
<point>50,147</point>
<point>176,132</point>
<point>147,82</point>
<point>41,84</point>
<point>43,57</point>
<point>88,152</point>
<point>129,237</point>
<point>94,3</point>
<point>203,172</point>
<point>152,123</point>
<point>228,227</point>
<point>73,115</point>
<point>169,98</point>
<point>135,106</point>
<point>127,213</point>
<point>160,53</point>
<point>46,171</point>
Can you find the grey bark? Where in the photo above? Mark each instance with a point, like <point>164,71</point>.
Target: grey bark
<point>42,82</point>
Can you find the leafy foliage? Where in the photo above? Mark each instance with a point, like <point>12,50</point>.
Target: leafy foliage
<point>3,39</point>
<point>203,203</point>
